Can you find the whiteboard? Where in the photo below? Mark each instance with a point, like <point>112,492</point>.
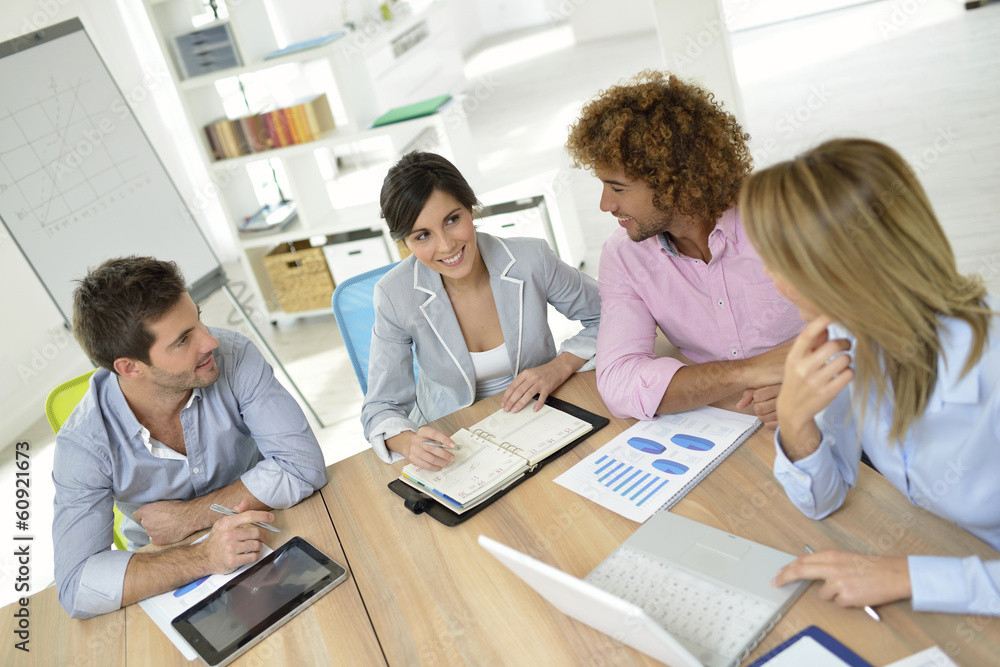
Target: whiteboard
<point>79,181</point>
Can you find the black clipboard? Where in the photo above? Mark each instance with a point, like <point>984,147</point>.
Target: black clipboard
<point>420,503</point>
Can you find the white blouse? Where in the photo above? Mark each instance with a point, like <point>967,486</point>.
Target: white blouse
<point>493,371</point>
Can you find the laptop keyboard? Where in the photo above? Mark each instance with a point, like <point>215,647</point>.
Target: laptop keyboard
<point>688,607</point>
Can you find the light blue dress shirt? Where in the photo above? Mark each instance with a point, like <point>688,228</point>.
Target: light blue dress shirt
<point>244,426</point>
<point>948,463</point>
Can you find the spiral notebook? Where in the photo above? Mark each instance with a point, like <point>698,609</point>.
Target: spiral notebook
<point>529,439</point>
<point>494,452</point>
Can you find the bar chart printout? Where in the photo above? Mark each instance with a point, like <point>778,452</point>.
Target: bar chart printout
<point>654,462</point>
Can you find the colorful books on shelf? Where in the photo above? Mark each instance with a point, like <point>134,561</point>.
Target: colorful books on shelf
<point>306,121</point>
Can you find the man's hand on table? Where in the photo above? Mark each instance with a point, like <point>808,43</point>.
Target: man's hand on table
<point>234,540</point>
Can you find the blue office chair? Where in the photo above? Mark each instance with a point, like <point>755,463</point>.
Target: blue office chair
<point>355,313</point>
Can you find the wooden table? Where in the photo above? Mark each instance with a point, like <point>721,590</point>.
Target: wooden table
<point>435,597</point>
<point>333,631</point>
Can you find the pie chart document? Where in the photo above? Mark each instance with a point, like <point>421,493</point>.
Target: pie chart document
<point>654,463</point>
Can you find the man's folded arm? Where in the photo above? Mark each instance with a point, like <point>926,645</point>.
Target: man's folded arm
<point>88,573</point>
<point>630,377</point>
<point>293,466</point>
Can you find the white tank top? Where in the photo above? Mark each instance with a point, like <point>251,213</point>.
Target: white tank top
<point>493,371</point>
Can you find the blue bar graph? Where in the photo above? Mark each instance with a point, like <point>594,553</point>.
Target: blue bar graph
<point>630,482</point>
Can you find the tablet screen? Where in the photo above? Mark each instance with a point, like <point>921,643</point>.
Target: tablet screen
<point>247,606</point>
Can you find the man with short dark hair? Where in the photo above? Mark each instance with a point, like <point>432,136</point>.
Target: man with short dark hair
<point>672,162</point>
<point>178,417</point>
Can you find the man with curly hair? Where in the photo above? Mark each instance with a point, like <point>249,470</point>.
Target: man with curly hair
<point>672,161</point>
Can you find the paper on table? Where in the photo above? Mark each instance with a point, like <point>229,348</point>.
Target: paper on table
<point>806,651</point>
<point>530,434</point>
<point>653,462</point>
<point>814,647</point>
<point>164,608</point>
<point>932,657</point>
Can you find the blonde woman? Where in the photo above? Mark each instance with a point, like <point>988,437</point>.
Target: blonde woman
<point>899,360</point>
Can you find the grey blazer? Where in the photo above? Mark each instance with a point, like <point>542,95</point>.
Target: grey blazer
<point>411,306</point>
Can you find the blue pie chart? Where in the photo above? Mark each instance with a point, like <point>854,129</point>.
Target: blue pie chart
<point>692,442</point>
<point>646,445</point>
<point>670,467</point>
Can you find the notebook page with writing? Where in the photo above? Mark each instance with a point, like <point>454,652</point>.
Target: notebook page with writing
<point>529,434</point>
<point>479,466</point>
<point>422,496</point>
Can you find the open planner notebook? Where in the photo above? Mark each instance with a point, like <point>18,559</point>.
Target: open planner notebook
<point>495,453</point>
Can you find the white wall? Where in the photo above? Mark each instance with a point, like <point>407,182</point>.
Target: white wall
<point>695,44</point>
<point>36,352</point>
<point>466,24</point>
<point>745,14</point>
<point>599,19</point>
<point>500,16</point>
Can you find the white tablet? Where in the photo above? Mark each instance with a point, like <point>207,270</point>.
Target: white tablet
<point>254,604</point>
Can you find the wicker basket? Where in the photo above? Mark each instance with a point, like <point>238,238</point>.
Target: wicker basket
<point>300,275</point>
<point>404,252</point>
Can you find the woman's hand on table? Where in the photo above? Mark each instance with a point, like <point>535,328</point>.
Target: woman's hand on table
<point>851,579</point>
<point>541,380</point>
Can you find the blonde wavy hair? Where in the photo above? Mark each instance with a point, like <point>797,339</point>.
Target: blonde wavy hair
<point>849,226</point>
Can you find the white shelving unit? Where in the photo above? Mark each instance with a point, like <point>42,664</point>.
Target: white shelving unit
<point>540,206</point>
<point>334,180</point>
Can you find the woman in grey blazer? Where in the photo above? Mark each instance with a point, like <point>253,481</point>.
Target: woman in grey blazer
<point>474,309</point>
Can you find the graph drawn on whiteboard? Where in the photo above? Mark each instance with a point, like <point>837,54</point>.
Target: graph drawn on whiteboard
<point>79,181</point>
<point>54,165</point>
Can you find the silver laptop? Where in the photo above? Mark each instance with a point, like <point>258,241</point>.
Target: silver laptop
<point>677,590</point>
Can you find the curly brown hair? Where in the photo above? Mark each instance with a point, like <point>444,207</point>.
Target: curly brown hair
<point>673,135</point>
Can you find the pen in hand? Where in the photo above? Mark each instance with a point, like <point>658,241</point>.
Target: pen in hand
<point>228,512</point>
<point>868,610</point>
<point>435,443</point>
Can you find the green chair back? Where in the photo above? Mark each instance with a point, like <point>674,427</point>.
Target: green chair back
<point>61,401</point>
<point>58,407</point>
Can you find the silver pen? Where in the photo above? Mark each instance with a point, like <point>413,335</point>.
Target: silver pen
<point>228,512</point>
<point>868,610</point>
<point>435,443</point>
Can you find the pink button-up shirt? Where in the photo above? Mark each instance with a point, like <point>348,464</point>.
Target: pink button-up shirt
<point>726,309</point>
